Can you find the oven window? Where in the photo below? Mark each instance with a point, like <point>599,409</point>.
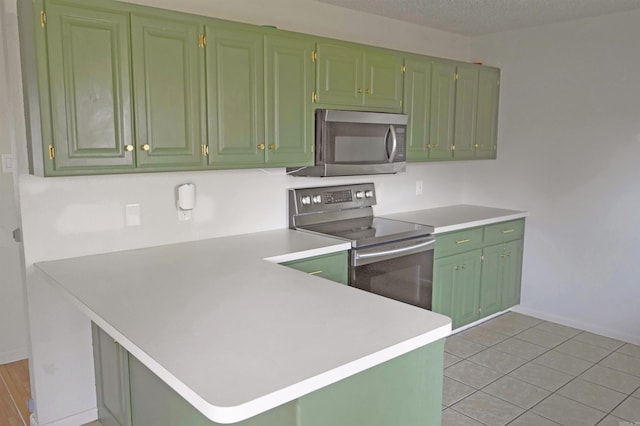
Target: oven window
<point>408,278</point>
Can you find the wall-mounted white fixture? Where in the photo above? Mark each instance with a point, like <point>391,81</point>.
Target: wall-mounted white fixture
<point>186,201</point>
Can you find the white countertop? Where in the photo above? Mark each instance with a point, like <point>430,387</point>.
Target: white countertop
<point>461,216</point>
<point>231,331</point>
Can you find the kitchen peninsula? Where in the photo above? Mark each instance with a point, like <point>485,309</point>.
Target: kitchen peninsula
<point>217,332</point>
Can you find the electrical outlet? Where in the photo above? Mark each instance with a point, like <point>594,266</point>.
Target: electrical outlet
<point>132,214</point>
<point>418,187</point>
<point>7,163</point>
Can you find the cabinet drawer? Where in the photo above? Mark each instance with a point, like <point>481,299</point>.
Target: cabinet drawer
<point>458,242</point>
<point>504,231</point>
<point>330,266</point>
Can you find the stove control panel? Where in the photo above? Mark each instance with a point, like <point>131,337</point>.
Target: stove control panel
<point>331,198</point>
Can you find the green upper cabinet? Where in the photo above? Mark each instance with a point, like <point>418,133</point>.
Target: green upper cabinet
<point>487,121</point>
<point>259,89</point>
<point>417,105</point>
<point>442,110</point>
<point>85,90</point>
<point>350,75</point>
<point>169,95</point>
<point>290,79</point>
<point>235,95</point>
<point>456,118</point>
<point>464,133</point>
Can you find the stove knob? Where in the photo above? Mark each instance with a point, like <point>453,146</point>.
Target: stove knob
<point>306,200</point>
<point>317,199</point>
<point>368,193</point>
<point>359,195</point>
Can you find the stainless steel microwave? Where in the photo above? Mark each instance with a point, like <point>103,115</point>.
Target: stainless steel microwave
<point>357,143</point>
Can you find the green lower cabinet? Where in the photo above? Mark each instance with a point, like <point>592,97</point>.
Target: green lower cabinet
<point>456,288</point>
<point>406,390</point>
<point>111,363</point>
<point>332,266</point>
<point>477,271</point>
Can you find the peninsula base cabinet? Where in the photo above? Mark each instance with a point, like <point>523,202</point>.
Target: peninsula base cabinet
<point>332,266</point>
<point>406,390</point>
<point>477,271</point>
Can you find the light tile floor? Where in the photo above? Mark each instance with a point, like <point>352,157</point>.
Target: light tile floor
<point>522,371</point>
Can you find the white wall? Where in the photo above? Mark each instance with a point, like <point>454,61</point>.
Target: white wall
<point>64,217</point>
<point>13,342</point>
<point>569,153</point>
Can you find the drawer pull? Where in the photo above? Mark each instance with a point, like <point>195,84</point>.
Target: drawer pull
<point>462,241</point>
<point>507,231</point>
<point>315,272</point>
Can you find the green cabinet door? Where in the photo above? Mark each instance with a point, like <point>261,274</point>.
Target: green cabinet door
<point>383,79</point>
<point>168,70</point>
<point>339,75</point>
<point>235,96</point>
<point>442,110</point>
<point>417,105</point>
<point>487,120</point>
<point>464,133</point>
<point>87,118</point>
<point>290,80</point>
<point>492,279</point>
<point>456,287</point>
<point>512,273</point>
<point>111,364</point>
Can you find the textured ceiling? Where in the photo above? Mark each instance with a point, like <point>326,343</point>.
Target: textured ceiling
<point>478,17</point>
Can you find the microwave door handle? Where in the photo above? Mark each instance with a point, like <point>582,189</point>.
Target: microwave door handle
<point>394,138</point>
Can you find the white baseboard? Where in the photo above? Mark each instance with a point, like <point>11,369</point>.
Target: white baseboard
<point>569,322</point>
<point>74,420</point>
<point>13,355</point>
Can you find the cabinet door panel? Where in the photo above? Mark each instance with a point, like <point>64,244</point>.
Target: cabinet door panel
<point>456,288</point>
<point>89,83</point>
<point>487,122</point>
<point>417,105</point>
<point>442,109</point>
<point>512,274</point>
<point>290,78</point>
<point>339,75</point>
<point>383,82</point>
<point>168,68</point>
<point>492,279</point>
<point>235,97</point>
<point>465,115</point>
<point>112,380</point>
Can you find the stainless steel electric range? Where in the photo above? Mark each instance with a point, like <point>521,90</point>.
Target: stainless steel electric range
<point>387,257</point>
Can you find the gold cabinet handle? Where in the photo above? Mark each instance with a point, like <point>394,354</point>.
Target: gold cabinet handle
<point>315,272</point>
<point>129,148</point>
<point>145,147</point>
<point>368,91</point>
<point>261,147</point>
<point>360,90</point>
<point>272,146</point>
<point>478,145</point>
<point>462,241</point>
<point>507,231</point>
<point>432,145</point>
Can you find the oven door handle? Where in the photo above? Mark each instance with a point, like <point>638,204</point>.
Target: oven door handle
<point>392,252</point>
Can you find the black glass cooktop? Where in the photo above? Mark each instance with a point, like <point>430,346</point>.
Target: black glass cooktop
<point>368,231</point>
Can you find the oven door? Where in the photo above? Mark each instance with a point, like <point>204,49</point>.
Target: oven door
<point>400,270</point>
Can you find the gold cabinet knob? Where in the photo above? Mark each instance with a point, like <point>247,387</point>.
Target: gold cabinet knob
<point>146,147</point>
<point>261,147</point>
<point>129,148</point>
<point>272,146</point>
<point>477,145</point>
<point>360,90</point>
<point>368,91</point>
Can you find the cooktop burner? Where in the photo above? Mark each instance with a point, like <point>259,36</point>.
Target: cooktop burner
<point>345,212</point>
